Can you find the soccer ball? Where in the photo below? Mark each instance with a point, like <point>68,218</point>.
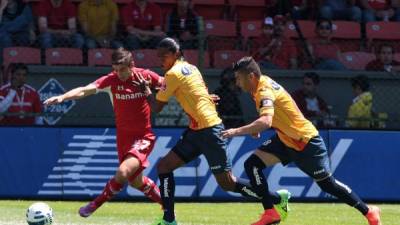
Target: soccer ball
<point>39,213</point>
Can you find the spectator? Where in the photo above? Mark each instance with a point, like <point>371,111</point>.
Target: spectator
<point>384,60</point>
<point>19,99</point>
<point>298,9</point>
<point>256,43</point>
<point>324,52</point>
<point>57,24</point>
<point>15,24</point>
<point>98,19</point>
<point>340,10</point>
<point>360,111</point>
<point>309,102</point>
<point>182,25</point>
<point>280,53</point>
<point>229,105</point>
<point>142,21</point>
<point>384,10</point>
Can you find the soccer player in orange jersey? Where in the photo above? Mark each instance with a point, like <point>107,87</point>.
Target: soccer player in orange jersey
<point>297,140</point>
<point>185,82</point>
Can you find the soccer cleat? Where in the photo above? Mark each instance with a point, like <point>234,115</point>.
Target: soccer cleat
<point>374,215</point>
<point>283,206</point>
<point>161,221</point>
<point>269,217</point>
<point>88,209</point>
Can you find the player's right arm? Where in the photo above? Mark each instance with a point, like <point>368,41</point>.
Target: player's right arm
<point>76,93</point>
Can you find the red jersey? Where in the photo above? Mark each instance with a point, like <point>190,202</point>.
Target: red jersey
<point>57,17</point>
<point>26,100</point>
<point>132,111</point>
<point>132,16</point>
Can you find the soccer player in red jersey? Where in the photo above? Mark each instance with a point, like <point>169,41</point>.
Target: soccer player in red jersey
<point>135,138</point>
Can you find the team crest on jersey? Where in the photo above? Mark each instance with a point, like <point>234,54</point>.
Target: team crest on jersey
<point>186,70</point>
<point>275,85</point>
<point>266,103</point>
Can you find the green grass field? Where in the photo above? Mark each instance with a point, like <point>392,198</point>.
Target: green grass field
<point>13,213</point>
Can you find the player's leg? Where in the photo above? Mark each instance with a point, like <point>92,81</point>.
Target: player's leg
<point>314,161</point>
<point>147,186</point>
<point>126,169</point>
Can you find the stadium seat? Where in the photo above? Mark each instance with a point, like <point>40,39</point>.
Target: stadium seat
<point>146,58</point>
<point>209,9</point>
<point>99,57</point>
<point>166,7</point>
<point>307,28</point>
<point>347,35</point>
<point>63,56</point>
<point>21,55</point>
<point>221,34</point>
<point>225,58</point>
<point>122,1</point>
<point>249,9</point>
<point>192,56</point>
<point>397,57</point>
<point>383,33</point>
<point>356,60</point>
<point>250,29</point>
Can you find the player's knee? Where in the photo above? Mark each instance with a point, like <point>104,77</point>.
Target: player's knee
<point>164,166</point>
<point>123,174</point>
<point>253,161</point>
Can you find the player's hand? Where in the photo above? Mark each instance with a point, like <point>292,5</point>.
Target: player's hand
<point>53,100</point>
<point>229,133</point>
<point>215,98</point>
<point>142,83</point>
<point>255,135</point>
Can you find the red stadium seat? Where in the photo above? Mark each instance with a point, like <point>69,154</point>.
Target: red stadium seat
<point>347,35</point>
<point>21,55</point>
<point>307,28</point>
<point>221,28</point>
<point>146,58</point>
<point>209,9</point>
<point>250,29</point>
<point>225,58</point>
<point>99,57</point>
<point>63,56</point>
<point>249,9</point>
<point>397,57</point>
<point>383,32</point>
<point>192,56</point>
<point>356,60</point>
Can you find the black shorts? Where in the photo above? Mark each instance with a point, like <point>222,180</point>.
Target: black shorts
<point>313,160</point>
<point>207,141</point>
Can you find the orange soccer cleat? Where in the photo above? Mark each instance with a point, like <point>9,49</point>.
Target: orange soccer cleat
<point>269,217</point>
<point>374,215</point>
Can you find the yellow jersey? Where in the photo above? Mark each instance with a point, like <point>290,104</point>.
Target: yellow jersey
<point>360,112</point>
<point>293,129</point>
<point>184,81</point>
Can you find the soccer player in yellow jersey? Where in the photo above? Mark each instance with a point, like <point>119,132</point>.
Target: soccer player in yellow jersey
<point>296,140</point>
<point>185,82</point>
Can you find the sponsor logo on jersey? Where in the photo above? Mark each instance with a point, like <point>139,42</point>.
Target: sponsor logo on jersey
<point>129,96</point>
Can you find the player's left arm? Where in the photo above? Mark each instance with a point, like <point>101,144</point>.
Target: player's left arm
<point>262,123</point>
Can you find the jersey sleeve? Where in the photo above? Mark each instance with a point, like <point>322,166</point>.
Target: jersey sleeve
<point>102,84</point>
<point>266,104</point>
<point>171,83</point>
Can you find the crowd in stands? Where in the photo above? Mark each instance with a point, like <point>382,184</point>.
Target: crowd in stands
<point>279,34</point>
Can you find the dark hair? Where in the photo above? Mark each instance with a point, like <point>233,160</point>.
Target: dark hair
<point>361,81</point>
<point>170,44</point>
<point>247,65</point>
<point>122,56</point>
<point>313,76</point>
<point>17,66</point>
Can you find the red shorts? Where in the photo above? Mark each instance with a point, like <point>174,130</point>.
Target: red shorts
<point>139,147</point>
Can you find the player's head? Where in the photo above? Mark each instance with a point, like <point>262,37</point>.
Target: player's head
<point>19,73</point>
<point>310,82</point>
<point>247,73</point>
<point>360,84</point>
<point>122,60</point>
<point>168,51</point>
